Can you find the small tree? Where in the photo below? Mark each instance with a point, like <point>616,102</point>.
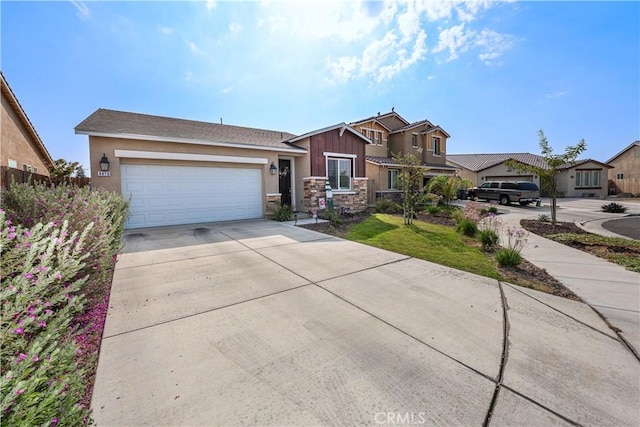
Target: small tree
<point>62,170</point>
<point>553,162</point>
<point>447,186</point>
<point>80,173</point>
<point>409,178</point>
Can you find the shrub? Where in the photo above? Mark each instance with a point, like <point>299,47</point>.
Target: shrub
<point>283,213</point>
<point>613,207</point>
<point>40,291</point>
<point>434,209</point>
<point>467,227</point>
<point>508,257</point>
<point>544,218</point>
<point>333,217</point>
<point>493,210</point>
<point>387,206</point>
<point>488,238</point>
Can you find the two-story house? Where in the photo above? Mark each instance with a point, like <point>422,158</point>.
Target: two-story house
<point>392,135</point>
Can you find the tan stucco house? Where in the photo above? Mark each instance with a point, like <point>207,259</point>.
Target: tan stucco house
<point>178,171</point>
<point>479,168</point>
<point>391,134</point>
<point>583,178</point>
<point>624,177</point>
<point>22,148</point>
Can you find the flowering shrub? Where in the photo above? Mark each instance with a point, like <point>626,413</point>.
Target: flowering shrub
<point>489,231</point>
<point>40,294</point>
<point>510,255</point>
<point>50,361</point>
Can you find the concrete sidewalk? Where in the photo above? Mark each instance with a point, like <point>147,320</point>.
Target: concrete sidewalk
<point>261,323</point>
<point>607,287</point>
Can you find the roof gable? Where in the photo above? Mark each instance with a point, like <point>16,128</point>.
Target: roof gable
<point>24,119</point>
<point>583,162</point>
<point>627,148</point>
<point>342,126</point>
<point>122,124</point>
<point>387,120</point>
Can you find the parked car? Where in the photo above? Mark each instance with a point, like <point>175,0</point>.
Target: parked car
<point>523,192</point>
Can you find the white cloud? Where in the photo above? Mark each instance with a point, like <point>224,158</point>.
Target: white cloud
<point>493,45</point>
<point>193,47</point>
<point>234,27</point>
<point>556,94</point>
<point>81,8</point>
<point>210,5</point>
<point>226,90</point>
<point>188,75</point>
<point>165,30</point>
<point>455,39</point>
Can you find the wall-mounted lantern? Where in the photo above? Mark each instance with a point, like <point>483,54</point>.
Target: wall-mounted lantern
<point>273,169</point>
<point>104,163</point>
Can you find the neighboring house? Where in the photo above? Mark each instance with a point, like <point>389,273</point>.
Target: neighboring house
<point>584,178</point>
<point>479,168</point>
<point>390,134</point>
<point>625,175</point>
<point>22,148</point>
<point>178,171</point>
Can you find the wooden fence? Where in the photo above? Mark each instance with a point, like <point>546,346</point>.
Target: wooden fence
<point>10,175</point>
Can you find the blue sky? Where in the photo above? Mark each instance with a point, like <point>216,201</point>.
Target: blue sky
<point>490,73</point>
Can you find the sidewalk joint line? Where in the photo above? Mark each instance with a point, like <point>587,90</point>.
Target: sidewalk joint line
<point>557,414</point>
<point>562,312</point>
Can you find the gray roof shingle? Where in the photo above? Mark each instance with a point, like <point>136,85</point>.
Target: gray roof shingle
<point>390,161</point>
<point>104,121</point>
<point>478,162</point>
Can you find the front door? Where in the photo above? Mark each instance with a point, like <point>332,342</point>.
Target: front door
<point>284,170</point>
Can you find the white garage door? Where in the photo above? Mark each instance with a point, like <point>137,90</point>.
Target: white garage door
<point>169,195</point>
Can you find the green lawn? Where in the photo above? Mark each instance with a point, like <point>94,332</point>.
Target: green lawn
<point>430,242</point>
<point>620,251</point>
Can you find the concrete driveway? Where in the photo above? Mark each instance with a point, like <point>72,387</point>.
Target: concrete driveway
<point>261,323</point>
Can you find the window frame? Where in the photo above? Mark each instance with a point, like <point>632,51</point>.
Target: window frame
<point>329,157</point>
<point>393,181</point>
<point>414,140</point>
<point>578,182</point>
<point>435,146</point>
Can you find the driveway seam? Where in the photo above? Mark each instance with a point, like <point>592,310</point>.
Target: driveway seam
<point>503,357</point>
<point>527,398</point>
<point>615,308</point>
<point>209,310</point>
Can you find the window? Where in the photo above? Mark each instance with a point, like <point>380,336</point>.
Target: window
<point>620,176</point>
<point>596,178</point>
<point>436,146</point>
<point>578,179</point>
<point>414,140</point>
<point>26,167</point>
<point>379,138</point>
<point>393,179</point>
<point>586,179</point>
<point>339,172</point>
<point>13,164</point>
<point>35,170</point>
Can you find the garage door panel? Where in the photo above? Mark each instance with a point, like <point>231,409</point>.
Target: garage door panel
<point>170,195</point>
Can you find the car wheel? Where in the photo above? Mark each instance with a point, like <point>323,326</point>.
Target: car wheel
<point>504,200</point>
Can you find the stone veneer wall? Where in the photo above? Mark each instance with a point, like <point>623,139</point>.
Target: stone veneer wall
<point>273,201</point>
<point>355,200</point>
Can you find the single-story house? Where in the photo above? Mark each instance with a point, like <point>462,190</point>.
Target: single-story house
<point>178,171</point>
<point>624,177</point>
<point>391,134</point>
<point>22,147</point>
<point>479,168</point>
<point>582,178</point>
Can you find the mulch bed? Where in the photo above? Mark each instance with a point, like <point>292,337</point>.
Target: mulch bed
<point>526,274</point>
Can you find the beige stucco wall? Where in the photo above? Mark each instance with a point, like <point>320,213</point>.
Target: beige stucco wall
<point>100,145</point>
<point>628,164</point>
<point>302,170</point>
<point>567,183</point>
<point>427,154</point>
<point>15,142</point>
